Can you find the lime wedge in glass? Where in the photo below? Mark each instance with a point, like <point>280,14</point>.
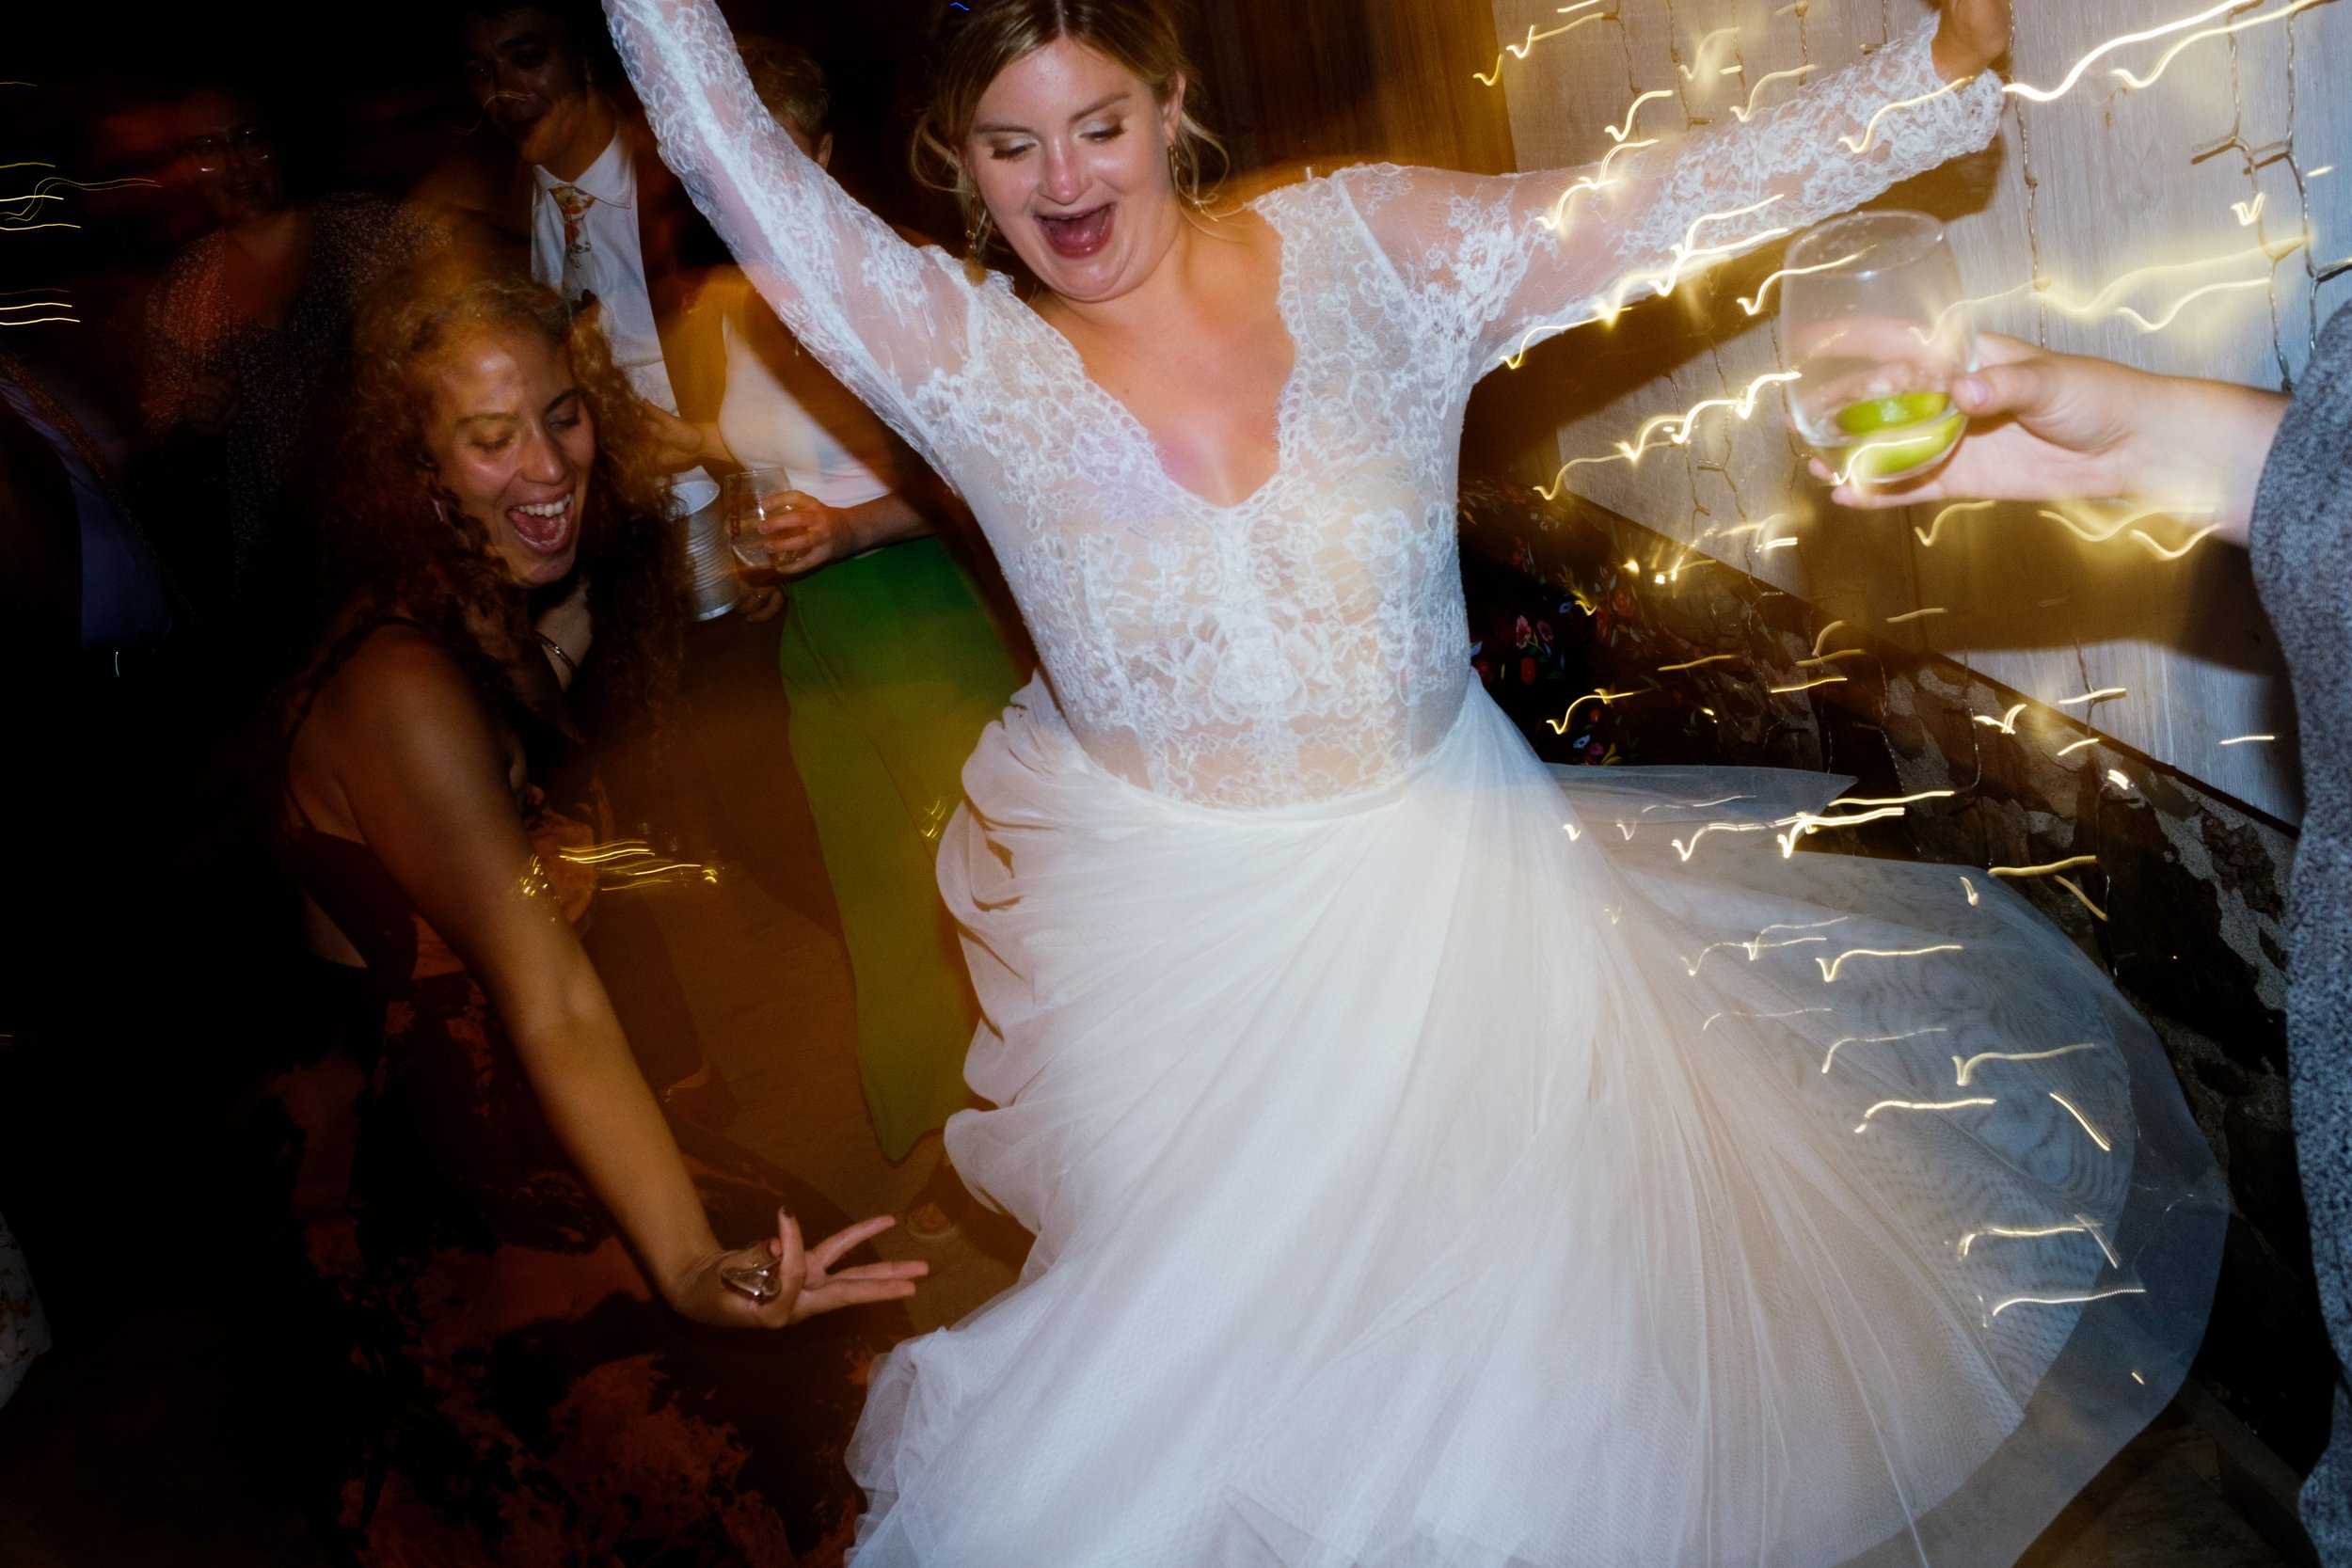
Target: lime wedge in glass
<point>1872,414</point>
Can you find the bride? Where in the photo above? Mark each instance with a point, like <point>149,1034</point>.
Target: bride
<point>1433,1160</point>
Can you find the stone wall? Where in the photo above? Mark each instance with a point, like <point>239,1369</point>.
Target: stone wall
<point>1608,642</point>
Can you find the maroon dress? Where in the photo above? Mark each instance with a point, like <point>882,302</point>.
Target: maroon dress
<point>524,1395</point>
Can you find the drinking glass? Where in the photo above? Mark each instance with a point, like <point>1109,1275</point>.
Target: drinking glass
<point>751,496</point>
<point>1877,329</point>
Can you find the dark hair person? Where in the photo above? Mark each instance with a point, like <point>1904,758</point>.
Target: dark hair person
<point>526,1246</point>
<point>244,327</point>
<point>1414,1180</point>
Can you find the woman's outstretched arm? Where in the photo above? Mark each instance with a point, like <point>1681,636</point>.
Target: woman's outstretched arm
<point>1506,262</point>
<point>881,314</point>
<point>423,772</point>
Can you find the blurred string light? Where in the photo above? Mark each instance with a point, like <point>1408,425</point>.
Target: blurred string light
<point>1519,51</point>
<point>1837,1045</point>
<point>628,862</point>
<point>1674,428</point>
<point>1962,1070</point>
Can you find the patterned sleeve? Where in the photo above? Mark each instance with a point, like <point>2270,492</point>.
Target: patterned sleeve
<point>1499,262</point>
<point>879,314</point>
<point>174,363</point>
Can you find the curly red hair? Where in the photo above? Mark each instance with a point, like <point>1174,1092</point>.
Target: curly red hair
<point>395,539</point>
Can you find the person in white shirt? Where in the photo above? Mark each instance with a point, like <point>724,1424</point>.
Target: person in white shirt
<point>891,663</point>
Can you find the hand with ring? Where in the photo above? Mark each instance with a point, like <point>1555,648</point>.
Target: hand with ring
<point>779,1281</point>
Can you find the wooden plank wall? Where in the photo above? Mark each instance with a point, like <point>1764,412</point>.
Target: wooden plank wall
<point>2077,193</point>
<point>1296,82</point>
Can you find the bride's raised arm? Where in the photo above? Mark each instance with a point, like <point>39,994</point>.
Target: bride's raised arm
<point>877,312</point>
<point>1506,260</point>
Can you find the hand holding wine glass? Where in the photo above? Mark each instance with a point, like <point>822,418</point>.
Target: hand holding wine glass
<point>1878,332</point>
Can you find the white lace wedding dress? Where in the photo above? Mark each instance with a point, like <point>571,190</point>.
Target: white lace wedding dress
<point>1435,1159</point>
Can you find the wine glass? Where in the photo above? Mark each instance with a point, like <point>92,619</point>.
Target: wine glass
<point>751,497</point>
<point>1876,330</point>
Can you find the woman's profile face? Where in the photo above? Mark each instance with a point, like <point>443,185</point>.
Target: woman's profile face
<point>509,435</point>
<point>1069,150</point>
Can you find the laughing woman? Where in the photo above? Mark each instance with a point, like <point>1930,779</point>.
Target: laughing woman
<point>1415,1182</point>
<point>565,1363</point>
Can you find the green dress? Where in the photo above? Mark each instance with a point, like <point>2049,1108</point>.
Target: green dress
<point>893,667</point>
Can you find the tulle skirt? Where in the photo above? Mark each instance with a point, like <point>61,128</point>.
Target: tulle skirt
<point>1514,1167</point>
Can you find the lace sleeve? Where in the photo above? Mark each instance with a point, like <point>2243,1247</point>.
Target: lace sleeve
<point>877,312</point>
<point>1499,262</point>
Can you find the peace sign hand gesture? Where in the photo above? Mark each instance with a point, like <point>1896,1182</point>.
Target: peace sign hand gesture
<point>779,1282</point>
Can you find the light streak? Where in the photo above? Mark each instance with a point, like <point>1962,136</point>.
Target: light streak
<point>631,861</point>
<point>2068,885</point>
<point>2187,545</point>
<point>1519,51</point>
<point>1560,725</point>
<point>1707,46</point>
<point>1742,115</point>
<point>2165,61</point>
<point>1970,889</point>
<point>1753,947</point>
<point>1793,1012</point>
<point>1830,966</point>
<point>2103,304</point>
<point>2075,1111</point>
<point>1915,614</point>
<point>1687,850</point>
<point>2043,95</point>
<point>2099,696</point>
<point>2065,1301</point>
<point>1756,303</point>
<point>1875,1039</point>
<point>2073,747</point>
<point>1635,108</point>
<point>1864,1125</point>
<point>1715,658</point>
<point>2006,723</point>
<point>2071,861</point>
<point>2084,1226</point>
<point>1928,538</point>
<point>1821,638</point>
<point>1893,800</point>
<point>2115,777</point>
<point>2324,168</point>
<point>2244,739</point>
<point>1804,686</point>
<point>1743,406</point>
<point>1963,1071</point>
<point>2249,211</point>
<point>1870,127</point>
<point>1574,833</point>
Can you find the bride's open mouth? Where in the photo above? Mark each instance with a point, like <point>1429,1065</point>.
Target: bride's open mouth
<point>543,527</point>
<point>1078,235</point>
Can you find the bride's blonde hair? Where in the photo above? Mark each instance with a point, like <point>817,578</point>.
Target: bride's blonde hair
<point>974,41</point>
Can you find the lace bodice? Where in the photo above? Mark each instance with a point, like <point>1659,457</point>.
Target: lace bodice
<point>1310,640</point>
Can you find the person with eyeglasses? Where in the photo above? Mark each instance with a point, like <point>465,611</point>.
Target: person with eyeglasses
<point>241,331</point>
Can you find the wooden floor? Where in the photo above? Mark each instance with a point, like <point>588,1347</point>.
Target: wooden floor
<point>139,1449</point>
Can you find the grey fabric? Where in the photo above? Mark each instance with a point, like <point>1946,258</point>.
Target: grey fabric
<point>2302,553</point>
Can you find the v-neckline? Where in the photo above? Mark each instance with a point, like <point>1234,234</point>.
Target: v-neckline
<point>1139,432</point>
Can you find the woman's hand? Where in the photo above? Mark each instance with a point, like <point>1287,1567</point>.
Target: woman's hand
<point>681,445</point>
<point>810,1287</point>
<point>804,534</point>
<point>1975,34</point>
<point>2058,427</point>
